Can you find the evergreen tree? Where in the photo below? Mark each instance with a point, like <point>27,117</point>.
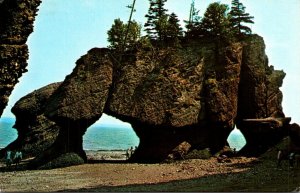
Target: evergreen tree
<point>155,19</point>
<point>194,19</point>
<point>238,16</point>
<point>162,26</point>
<point>133,34</point>
<point>215,21</point>
<point>194,26</point>
<point>174,30</point>
<point>117,34</point>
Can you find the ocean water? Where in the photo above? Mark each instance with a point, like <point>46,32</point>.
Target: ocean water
<point>109,137</point>
<point>7,133</point>
<point>105,137</point>
<point>236,139</point>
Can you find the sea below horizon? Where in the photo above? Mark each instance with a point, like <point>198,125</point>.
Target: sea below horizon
<point>105,137</point>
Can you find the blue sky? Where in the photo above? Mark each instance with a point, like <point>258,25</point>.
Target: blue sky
<point>65,30</point>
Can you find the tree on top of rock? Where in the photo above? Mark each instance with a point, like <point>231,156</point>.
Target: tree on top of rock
<point>238,16</point>
<point>117,34</point>
<point>215,21</point>
<point>155,18</point>
<point>193,25</point>
<point>174,30</point>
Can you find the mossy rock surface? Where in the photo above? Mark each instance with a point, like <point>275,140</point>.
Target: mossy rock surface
<point>65,160</point>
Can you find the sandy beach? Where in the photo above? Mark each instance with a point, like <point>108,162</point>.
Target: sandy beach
<point>107,171</point>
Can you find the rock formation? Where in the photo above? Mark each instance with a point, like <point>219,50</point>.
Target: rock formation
<point>16,24</point>
<point>259,97</point>
<point>79,102</point>
<point>195,94</point>
<point>36,133</point>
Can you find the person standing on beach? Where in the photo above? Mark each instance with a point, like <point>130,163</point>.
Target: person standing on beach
<point>127,154</point>
<point>8,158</point>
<point>131,151</point>
<point>18,157</point>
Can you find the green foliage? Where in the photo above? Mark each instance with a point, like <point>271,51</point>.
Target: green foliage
<point>165,29</point>
<point>133,33</point>
<point>238,16</point>
<point>215,21</point>
<point>116,34</point>
<point>144,43</point>
<point>162,27</point>
<point>155,19</point>
<point>174,30</point>
<point>193,25</point>
<point>123,36</point>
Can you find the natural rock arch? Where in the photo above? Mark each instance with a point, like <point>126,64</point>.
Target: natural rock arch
<point>109,133</point>
<point>195,94</point>
<point>163,102</point>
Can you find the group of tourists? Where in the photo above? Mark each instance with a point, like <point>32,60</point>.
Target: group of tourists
<point>13,157</point>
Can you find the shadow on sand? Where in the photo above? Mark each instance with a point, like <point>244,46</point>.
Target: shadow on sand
<point>259,176</point>
<point>263,176</point>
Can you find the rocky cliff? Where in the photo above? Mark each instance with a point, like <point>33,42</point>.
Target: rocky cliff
<point>16,24</point>
<point>259,97</point>
<point>193,95</point>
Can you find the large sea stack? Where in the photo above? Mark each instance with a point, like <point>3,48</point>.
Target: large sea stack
<point>193,94</point>
<point>196,93</point>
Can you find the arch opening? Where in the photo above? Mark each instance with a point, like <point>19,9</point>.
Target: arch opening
<point>236,139</point>
<point>109,139</point>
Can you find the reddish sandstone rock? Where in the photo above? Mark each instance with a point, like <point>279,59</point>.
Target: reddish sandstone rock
<point>194,94</point>
<point>16,24</point>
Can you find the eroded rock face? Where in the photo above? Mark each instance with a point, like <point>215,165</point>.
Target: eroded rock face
<point>194,94</point>
<point>16,24</point>
<point>36,133</point>
<point>178,95</point>
<point>259,97</point>
<point>83,94</point>
<point>77,103</point>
